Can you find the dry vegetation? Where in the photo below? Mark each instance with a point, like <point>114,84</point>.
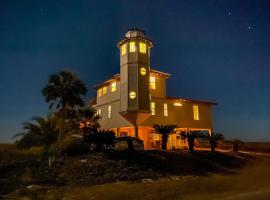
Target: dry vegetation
<point>174,175</point>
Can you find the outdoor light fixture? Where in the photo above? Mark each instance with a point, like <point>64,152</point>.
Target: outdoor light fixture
<point>177,104</point>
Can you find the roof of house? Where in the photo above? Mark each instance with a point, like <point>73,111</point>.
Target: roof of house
<point>117,77</point>
<point>192,100</point>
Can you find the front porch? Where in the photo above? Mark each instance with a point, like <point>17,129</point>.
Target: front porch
<point>152,140</point>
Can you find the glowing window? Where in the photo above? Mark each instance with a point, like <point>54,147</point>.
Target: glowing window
<point>104,90</point>
<point>196,112</point>
<point>132,47</point>
<point>123,49</point>
<point>142,47</point>
<point>156,137</point>
<point>98,112</point>
<point>99,92</point>
<point>153,108</point>
<point>132,95</point>
<point>109,111</point>
<point>152,82</point>
<point>143,71</point>
<point>113,87</point>
<point>165,109</point>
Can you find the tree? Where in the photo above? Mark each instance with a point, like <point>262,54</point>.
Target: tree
<point>64,91</point>
<point>164,131</point>
<point>41,132</point>
<point>213,139</point>
<point>191,136</point>
<point>101,139</point>
<point>88,118</point>
<point>236,144</point>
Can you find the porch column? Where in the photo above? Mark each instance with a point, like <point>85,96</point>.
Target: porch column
<point>136,131</point>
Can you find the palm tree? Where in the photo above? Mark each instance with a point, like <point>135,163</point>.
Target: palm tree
<point>41,132</point>
<point>164,131</point>
<point>213,139</point>
<point>88,117</point>
<point>64,91</point>
<point>101,138</point>
<point>191,136</point>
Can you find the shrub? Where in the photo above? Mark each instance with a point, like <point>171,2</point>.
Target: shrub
<point>101,139</point>
<point>73,146</point>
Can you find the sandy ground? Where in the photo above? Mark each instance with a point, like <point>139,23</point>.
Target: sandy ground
<point>250,183</point>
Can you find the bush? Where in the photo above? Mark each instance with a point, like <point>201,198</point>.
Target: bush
<point>73,146</point>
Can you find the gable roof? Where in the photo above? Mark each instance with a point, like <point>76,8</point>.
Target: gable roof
<point>116,77</point>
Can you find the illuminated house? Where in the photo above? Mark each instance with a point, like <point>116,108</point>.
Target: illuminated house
<point>132,101</point>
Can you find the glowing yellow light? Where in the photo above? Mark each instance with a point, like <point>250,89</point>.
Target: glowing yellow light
<point>113,87</point>
<point>143,71</point>
<point>152,82</point>
<point>196,112</point>
<point>153,108</point>
<point>132,47</point>
<point>142,47</point>
<point>177,104</point>
<point>165,107</point>
<point>123,49</point>
<point>132,95</point>
<point>104,90</point>
<point>99,92</point>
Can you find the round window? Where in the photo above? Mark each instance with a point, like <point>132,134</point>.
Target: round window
<point>143,71</point>
<point>132,95</point>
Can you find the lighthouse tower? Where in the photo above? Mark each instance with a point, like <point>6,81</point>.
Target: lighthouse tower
<point>134,77</point>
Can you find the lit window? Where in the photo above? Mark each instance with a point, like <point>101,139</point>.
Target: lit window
<point>99,92</point>
<point>165,109</point>
<point>196,112</point>
<point>98,112</point>
<point>143,71</point>
<point>123,49</point>
<point>104,90</point>
<point>153,108</point>
<point>113,87</point>
<point>142,47</point>
<point>132,95</point>
<point>132,47</point>
<point>152,82</point>
<point>109,111</point>
<point>156,137</point>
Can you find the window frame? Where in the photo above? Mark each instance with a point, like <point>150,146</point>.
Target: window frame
<point>104,90</point>
<point>99,92</point>
<point>142,47</point>
<point>124,49</point>
<point>196,112</point>
<point>153,107</point>
<point>152,82</point>
<point>132,47</point>
<point>165,110</point>
<point>109,111</point>
<point>113,86</point>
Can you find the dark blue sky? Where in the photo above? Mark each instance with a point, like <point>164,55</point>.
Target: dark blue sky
<point>215,50</point>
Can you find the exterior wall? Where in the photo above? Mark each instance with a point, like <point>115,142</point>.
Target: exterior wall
<point>180,116</point>
<point>109,96</point>
<point>160,90</point>
<point>116,120</point>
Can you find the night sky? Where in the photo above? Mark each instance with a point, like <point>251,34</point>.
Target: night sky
<point>215,50</point>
